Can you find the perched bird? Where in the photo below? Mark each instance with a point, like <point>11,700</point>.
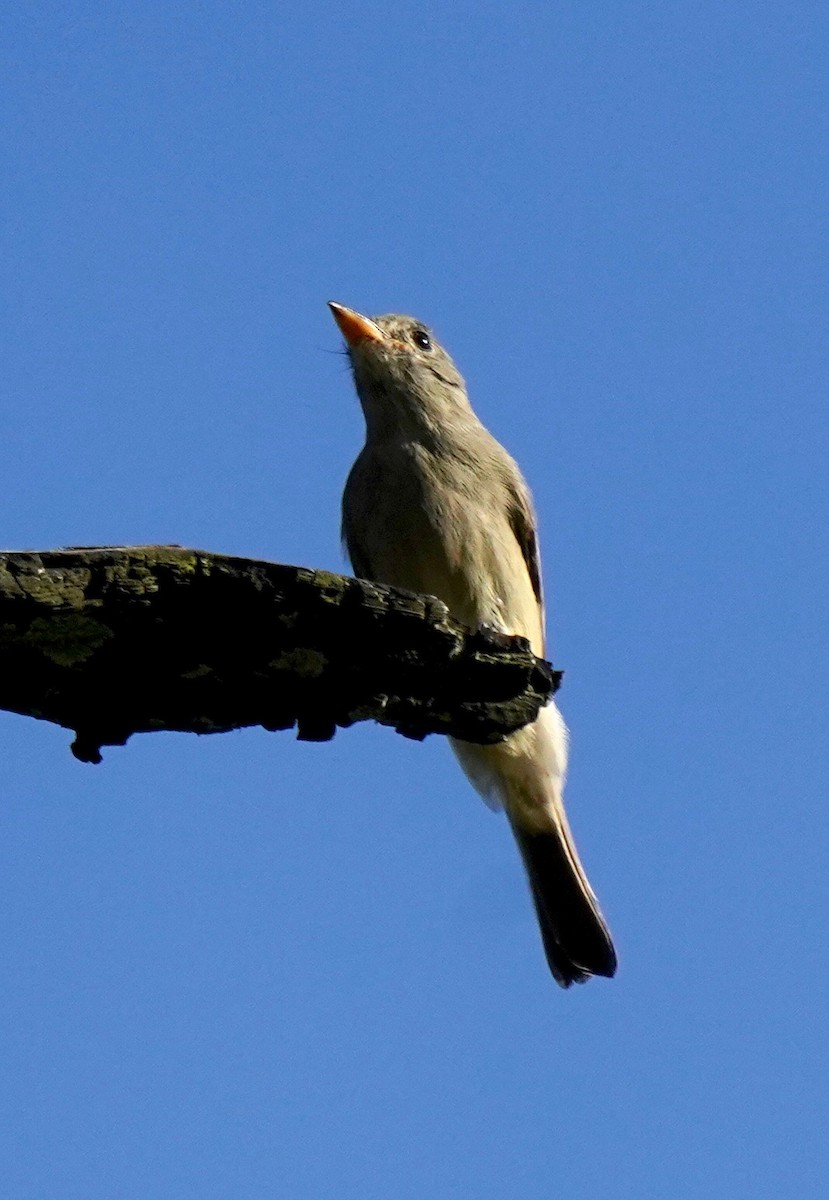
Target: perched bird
<point>435,504</point>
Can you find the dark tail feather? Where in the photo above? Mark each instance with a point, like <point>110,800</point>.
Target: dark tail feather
<point>576,940</point>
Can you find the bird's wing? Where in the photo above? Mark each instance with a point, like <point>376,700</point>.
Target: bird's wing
<point>357,556</point>
<point>353,518</point>
<point>523,522</point>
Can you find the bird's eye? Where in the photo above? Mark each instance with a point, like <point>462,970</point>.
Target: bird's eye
<point>421,338</point>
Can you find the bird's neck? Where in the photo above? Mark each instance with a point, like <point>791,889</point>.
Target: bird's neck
<point>394,421</point>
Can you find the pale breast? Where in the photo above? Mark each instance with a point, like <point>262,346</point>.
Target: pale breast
<point>434,526</point>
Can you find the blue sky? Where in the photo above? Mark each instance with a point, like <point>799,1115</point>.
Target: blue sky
<point>247,967</point>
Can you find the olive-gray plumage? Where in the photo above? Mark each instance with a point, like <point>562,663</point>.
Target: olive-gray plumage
<point>435,504</point>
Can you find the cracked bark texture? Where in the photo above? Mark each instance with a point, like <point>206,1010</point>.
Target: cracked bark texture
<point>115,640</point>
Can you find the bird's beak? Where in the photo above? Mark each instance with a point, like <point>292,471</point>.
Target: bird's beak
<point>354,327</point>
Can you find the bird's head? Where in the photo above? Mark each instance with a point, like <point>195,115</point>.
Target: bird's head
<point>404,377</point>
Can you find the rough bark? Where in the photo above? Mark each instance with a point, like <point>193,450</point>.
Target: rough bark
<point>115,640</point>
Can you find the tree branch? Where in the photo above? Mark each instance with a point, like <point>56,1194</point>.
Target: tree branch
<point>115,640</point>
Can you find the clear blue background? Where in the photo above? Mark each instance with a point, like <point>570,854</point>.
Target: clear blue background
<point>246,967</point>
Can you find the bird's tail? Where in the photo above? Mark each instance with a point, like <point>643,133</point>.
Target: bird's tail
<point>576,939</point>
<point>525,774</point>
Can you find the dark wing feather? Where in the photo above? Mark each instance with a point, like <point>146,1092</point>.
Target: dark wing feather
<point>357,557</point>
<point>353,518</point>
<point>523,522</point>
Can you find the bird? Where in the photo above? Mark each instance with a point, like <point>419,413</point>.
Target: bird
<point>434,504</point>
